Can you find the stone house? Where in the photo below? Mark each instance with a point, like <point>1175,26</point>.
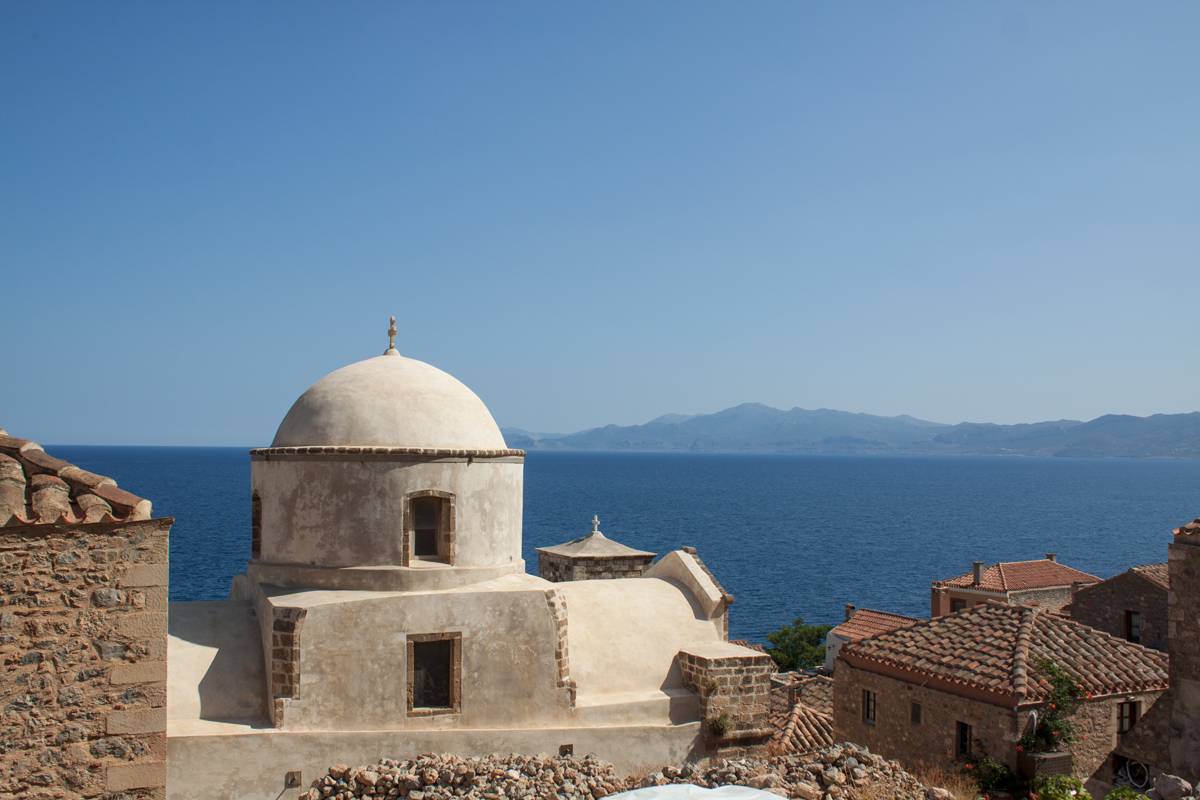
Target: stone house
<point>386,610</point>
<point>859,624</point>
<point>968,683</point>
<point>1132,605</point>
<point>83,632</point>
<point>1045,583</point>
<point>591,557</point>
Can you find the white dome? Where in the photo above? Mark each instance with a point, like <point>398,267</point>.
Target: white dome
<point>390,401</point>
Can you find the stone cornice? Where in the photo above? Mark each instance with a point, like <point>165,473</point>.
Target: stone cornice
<point>381,453</point>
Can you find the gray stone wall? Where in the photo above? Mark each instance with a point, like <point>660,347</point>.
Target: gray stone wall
<point>1047,599</point>
<point>735,690</point>
<point>557,569</point>
<point>1183,634</point>
<point>1103,606</point>
<point>83,637</point>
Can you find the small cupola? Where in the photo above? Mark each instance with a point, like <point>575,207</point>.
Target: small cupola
<point>591,557</point>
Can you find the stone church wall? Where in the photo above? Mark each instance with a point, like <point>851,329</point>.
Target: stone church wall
<point>557,569</point>
<point>735,699</point>
<point>83,637</point>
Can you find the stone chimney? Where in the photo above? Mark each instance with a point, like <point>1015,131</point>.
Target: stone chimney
<point>1075,587</point>
<point>1052,557</point>
<point>978,565</point>
<point>849,611</point>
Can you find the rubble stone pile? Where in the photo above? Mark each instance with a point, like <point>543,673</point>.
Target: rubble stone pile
<point>840,772</point>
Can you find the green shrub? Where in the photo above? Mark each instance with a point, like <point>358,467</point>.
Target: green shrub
<point>719,725</point>
<point>1059,787</point>
<point>1054,729</point>
<point>990,775</point>
<point>1125,793</point>
<point>798,646</point>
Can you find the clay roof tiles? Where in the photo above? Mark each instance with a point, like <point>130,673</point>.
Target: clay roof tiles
<point>869,622</point>
<point>1155,573</point>
<point>802,729</point>
<point>38,489</point>
<point>1191,529</point>
<point>1011,576</point>
<point>994,646</point>
<point>814,691</point>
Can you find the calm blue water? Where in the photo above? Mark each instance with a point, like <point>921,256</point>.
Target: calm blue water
<point>788,535</point>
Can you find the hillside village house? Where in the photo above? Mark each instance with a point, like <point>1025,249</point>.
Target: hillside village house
<point>83,630</point>
<point>858,625</point>
<point>955,684</point>
<point>1132,605</point>
<point>1045,583</point>
<point>386,611</point>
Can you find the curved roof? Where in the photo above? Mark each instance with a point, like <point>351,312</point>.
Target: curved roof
<point>390,401</point>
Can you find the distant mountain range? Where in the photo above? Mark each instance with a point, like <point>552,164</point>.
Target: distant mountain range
<point>755,428</point>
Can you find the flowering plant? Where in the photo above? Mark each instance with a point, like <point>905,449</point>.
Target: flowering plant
<point>1054,729</point>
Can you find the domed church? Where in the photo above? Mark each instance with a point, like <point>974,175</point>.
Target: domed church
<point>386,611</point>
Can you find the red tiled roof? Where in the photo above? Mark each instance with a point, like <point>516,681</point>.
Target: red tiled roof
<point>39,489</point>
<point>1155,573</point>
<point>994,647</point>
<point>1012,576</point>
<point>748,644</point>
<point>1191,529</point>
<point>802,730</point>
<point>815,691</point>
<point>869,622</point>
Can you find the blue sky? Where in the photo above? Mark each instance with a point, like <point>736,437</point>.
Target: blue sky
<point>597,213</point>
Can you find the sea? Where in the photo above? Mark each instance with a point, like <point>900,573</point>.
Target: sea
<point>790,536</point>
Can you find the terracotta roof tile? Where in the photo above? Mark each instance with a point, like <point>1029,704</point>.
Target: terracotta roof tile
<point>1010,576</point>
<point>38,489</point>
<point>1155,573</point>
<point>869,622</point>
<point>802,729</point>
<point>815,691</point>
<point>995,646</point>
<point>1191,529</point>
<point>748,644</point>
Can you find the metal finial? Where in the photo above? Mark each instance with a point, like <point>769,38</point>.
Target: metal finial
<point>392,351</point>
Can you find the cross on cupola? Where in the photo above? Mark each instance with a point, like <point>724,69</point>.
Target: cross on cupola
<point>595,524</point>
<point>392,351</point>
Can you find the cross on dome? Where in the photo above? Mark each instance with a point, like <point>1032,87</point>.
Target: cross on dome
<point>595,524</point>
<point>392,351</point>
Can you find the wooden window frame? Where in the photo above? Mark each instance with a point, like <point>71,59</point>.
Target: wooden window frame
<point>870,706</point>
<point>447,528</point>
<point>1128,715</point>
<point>915,716</point>
<point>455,707</point>
<point>959,728</point>
<point>1133,626</point>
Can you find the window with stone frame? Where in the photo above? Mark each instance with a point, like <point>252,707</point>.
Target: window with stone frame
<point>1133,627</point>
<point>434,674</point>
<point>916,713</point>
<point>1127,716</point>
<point>964,735</point>
<point>868,706</point>
<point>429,527</point>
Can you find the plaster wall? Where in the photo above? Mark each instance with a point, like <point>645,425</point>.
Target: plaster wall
<point>215,657</point>
<point>208,761</point>
<point>833,646</point>
<point>624,634</point>
<point>348,511</point>
<point>352,666</point>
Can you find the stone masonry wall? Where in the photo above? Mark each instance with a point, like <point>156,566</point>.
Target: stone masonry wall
<point>1103,606</point>
<point>562,656</point>
<point>1046,599</point>
<point>557,569</point>
<point>1183,635</point>
<point>83,637</point>
<point>285,660</point>
<point>735,693</point>
<point>1096,726</point>
<point>895,736</point>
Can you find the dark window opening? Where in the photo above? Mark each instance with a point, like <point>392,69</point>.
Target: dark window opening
<point>255,526</point>
<point>427,515</point>
<point>916,713</point>
<point>1133,627</point>
<point>868,706</point>
<point>1127,716</point>
<point>432,679</point>
<point>962,738</point>
<point>958,605</point>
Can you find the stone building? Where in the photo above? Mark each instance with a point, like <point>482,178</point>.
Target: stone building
<point>1132,605</point>
<point>386,611</point>
<point>1167,737</point>
<point>859,624</point>
<point>965,681</point>
<point>1045,583</point>
<point>591,557</point>
<point>83,632</point>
